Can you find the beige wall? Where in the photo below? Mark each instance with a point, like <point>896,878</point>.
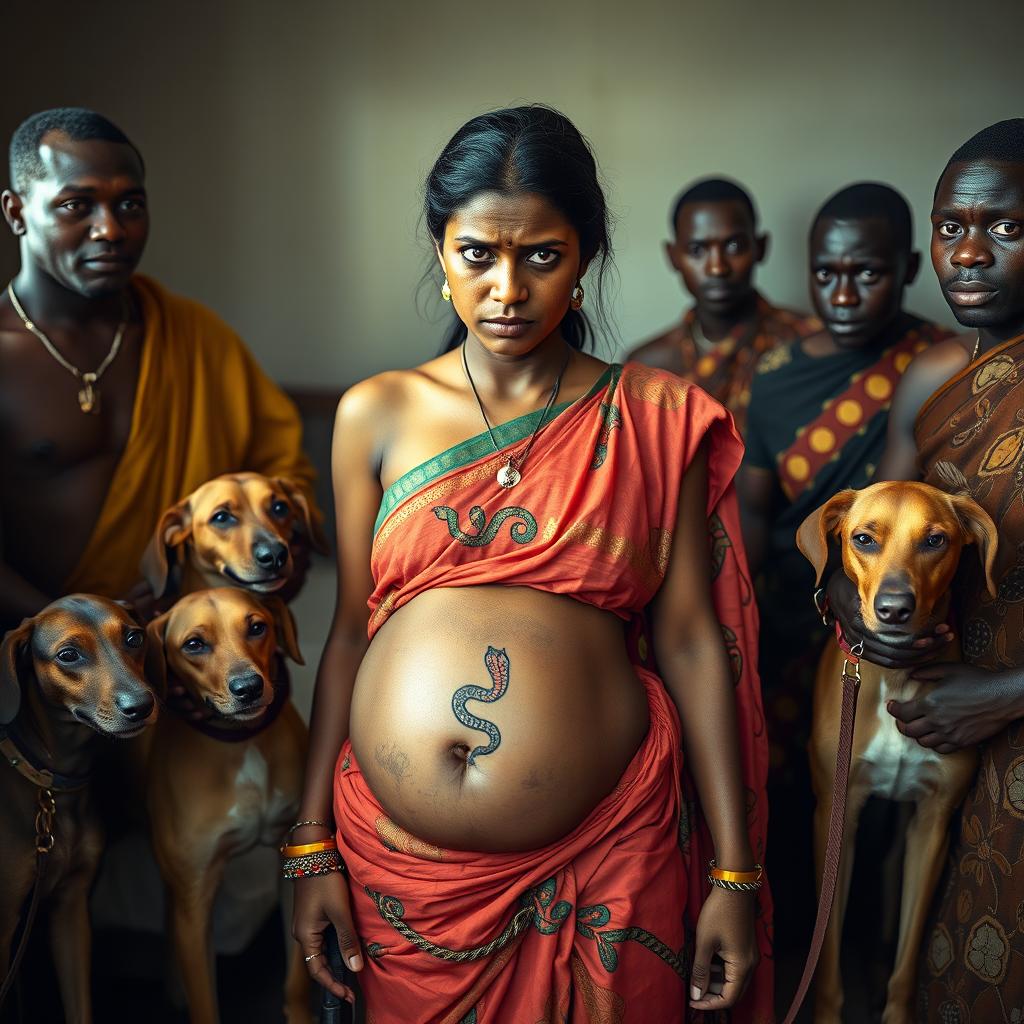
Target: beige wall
<point>287,142</point>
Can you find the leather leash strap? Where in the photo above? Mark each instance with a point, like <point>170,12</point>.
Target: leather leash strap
<point>837,819</point>
<point>44,844</point>
<point>47,782</point>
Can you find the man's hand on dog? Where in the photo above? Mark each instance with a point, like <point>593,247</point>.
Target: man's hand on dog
<point>967,706</point>
<point>844,603</point>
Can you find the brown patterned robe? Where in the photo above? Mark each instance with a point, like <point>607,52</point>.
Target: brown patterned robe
<point>970,435</point>
<point>726,371</point>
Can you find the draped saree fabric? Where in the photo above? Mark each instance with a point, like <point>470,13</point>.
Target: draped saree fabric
<point>598,926</point>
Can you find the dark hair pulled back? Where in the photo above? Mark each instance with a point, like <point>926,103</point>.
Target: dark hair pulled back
<point>518,151</point>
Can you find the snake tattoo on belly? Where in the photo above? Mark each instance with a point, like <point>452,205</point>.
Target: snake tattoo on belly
<point>497,664</point>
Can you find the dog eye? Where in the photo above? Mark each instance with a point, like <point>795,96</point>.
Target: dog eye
<point>936,540</point>
<point>193,645</point>
<point>863,540</point>
<point>134,638</point>
<point>279,509</point>
<point>257,628</point>
<point>222,517</point>
<point>68,655</point>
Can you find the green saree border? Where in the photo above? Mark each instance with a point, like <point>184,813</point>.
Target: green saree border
<point>467,452</point>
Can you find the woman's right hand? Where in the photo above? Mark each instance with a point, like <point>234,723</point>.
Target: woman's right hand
<point>844,602</point>
<point>322,901</point>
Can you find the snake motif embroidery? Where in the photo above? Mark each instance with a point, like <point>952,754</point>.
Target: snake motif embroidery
<point>521,533</point>
<point>498,669</point>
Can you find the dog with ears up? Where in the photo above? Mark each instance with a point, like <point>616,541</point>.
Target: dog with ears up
<point>901,544</point>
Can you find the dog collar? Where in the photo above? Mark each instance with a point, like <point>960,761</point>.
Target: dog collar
<point>282,693</point>
<point>852,653</point>
<point>43,777</point>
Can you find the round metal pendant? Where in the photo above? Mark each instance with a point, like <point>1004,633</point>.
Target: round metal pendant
<point>508,476</point>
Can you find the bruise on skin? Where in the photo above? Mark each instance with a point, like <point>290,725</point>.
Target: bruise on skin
<point>394,761</point>
<point>532,780</point>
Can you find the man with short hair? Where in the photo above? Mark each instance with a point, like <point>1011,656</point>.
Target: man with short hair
<point>956,423</point>
<point>715,249</point>
<point>116,397</point>
<point>816,425</point>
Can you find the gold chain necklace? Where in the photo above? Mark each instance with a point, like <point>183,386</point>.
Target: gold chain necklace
<point>511,473</point>
<point>89,395</point>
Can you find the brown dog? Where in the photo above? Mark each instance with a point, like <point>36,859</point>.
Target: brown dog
<point>901,545</point>
<point>73,672</point>
<point>217,789</point>
<point>236,530</point>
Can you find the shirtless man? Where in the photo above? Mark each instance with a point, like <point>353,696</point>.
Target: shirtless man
<point>956,423</point>
<point>116,397</point>
<point>715,250</point>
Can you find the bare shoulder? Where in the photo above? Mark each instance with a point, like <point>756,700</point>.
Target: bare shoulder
<point>930,369</point>
<point>381,399</point>
<point>363,403</point>
<point>661,351</point>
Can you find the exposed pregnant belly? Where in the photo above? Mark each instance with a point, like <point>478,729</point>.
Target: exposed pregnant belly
<point>495,718</point>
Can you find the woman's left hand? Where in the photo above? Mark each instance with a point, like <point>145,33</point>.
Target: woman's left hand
<point>725,927</point>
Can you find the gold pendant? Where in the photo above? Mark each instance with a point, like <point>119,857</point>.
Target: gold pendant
<point>89,397</point>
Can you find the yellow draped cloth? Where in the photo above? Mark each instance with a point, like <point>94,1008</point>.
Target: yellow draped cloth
<point>202,407</point>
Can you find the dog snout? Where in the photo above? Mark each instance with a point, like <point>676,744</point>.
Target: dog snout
<point>136,706</point>
<point>270,554</point>
<point>894,607</point>
<point>247,687</point>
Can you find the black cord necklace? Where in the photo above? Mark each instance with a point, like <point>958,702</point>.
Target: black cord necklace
<point>511,473</point>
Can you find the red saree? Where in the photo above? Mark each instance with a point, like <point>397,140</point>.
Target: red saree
<point>596,927</point>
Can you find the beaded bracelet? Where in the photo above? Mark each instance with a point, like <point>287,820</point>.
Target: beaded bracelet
<point>735,881</point>
<point>306,865</point>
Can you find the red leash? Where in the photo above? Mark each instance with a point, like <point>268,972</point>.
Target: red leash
<point>834,847</point>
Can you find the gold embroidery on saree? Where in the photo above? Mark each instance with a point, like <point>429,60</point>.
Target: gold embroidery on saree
<point>396,838</point>
<point>432,495</point>
<point>654,387</point>
<point>649,560</point>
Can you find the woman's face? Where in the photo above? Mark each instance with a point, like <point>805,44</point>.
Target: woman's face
<point>512,262</point>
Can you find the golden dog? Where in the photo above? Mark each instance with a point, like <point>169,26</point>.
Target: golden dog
<point>217,789</point>
<point>235,530</point>
<point>70,674</point>
<point>901,545</point>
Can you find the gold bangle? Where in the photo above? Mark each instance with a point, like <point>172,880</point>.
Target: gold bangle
<point>722,875</point>
<point>303,848</point>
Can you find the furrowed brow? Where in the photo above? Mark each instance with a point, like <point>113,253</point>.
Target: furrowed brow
<point>469,240</point>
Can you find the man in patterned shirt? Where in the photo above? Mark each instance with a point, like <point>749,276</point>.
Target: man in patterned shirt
<point>715,250</point>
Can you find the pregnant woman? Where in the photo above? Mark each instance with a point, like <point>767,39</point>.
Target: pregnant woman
<point>533,531</point>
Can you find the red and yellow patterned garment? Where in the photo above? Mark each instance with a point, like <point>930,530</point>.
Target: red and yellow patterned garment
<point>597,926</point>
<point>726,369</point>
